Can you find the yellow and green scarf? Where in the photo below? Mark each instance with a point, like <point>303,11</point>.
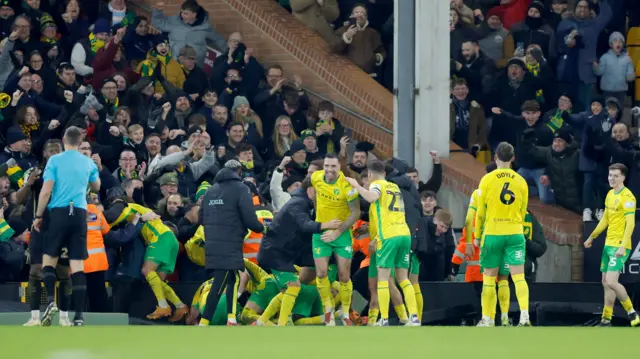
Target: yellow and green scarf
<point>556,122</point>
<point>147,66</point>
<point>95,43</point>
<point>123,177</point>
<point>27,128</point>
<point>535,70</point>
<point>6,232</point>
<point>16,176</point>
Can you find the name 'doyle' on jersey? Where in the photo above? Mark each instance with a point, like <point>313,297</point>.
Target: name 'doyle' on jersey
<point>216,202</point>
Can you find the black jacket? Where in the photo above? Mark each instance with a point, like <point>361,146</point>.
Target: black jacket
<point>536,246</point>
<point>410,197</point>
<point>290,230</point>
<point>226,214</point>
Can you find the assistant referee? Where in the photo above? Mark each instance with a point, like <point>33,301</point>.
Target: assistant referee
<point>64,223</point>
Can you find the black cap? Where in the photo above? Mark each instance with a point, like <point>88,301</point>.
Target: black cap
<point>365,146</point>
<point>289,181</point>
<point>518,62</point>
<point>296,146</point>
<point>15,134</point>
<point>564,134</point>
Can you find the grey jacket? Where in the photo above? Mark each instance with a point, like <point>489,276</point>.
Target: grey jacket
<point>6,66</point>
<point>616,72</point>
<point>181,34</point>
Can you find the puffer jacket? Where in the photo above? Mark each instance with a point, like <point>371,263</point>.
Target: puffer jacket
<point>194,35</point>
<point>226,214</point>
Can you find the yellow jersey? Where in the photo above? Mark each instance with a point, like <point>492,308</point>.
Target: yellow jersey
<point>332,199</point>
<point>618,206</point>
<point>151,229</point>
<point>501,203</point>
<point>387,212</point>
<point>471,217</point>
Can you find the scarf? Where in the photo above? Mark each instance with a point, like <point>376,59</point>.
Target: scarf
<point>16,175</point>
<point>181,116</point>
<point>247,164</point>
<point>462,113</point>
<point>123,177</point>
<point>95,43</point>
<point>6,232</point>
<point>47,40</point>
<point>556,122</point>
<point>115,103</point>
<point>27,128</point>
<point>535,70</point>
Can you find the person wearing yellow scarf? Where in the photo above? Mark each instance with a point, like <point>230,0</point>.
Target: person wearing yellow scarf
<point>99,36</point>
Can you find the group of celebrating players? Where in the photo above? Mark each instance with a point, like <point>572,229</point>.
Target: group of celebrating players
<point>303,282</point>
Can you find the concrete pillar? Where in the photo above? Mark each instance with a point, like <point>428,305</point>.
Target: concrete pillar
<point>403,80</point>
<point>432,83</point>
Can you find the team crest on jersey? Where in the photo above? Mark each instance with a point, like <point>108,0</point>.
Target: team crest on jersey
<point>336,191</point>
<point>91,217</point>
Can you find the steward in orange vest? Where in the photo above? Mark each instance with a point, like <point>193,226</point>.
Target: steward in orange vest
<point>252,241</point>
<point>97,228</point>
<point>473,272</point>
<point>361,242</point>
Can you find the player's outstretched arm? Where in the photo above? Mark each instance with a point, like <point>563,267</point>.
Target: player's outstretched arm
<point>602,225</point>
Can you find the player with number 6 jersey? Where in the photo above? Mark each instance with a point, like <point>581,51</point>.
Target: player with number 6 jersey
<point>502,200</point>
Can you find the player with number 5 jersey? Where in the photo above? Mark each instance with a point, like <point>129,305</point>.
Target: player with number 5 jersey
<point>502,200</point>
<point>619,220</point>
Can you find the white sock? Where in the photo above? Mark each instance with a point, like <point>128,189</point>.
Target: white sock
<point>35,315</point>
<point>64,315</point>
<point>631,311</point>
<point>163,303</point>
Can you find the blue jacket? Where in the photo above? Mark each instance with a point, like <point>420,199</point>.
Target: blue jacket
<point>615,69</point>
<point>587,39</point>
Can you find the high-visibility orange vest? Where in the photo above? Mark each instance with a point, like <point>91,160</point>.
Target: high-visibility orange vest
<point>97,227</point>
<point>361,242</point>
<point>473,272</point>
<point>252,241</point>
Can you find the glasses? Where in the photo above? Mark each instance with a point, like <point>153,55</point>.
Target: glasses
<point>128,159</point>
<point>110,88</point>
<point>285,125</point>
<point>84,148</point>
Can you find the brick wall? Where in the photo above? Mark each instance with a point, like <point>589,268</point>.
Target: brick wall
<point>278,38</point>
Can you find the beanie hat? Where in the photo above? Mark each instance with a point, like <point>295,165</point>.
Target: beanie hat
<point>46,21</point>
<point>564,134</point>
<point>169,177</point>
<point>101,26</point>
<point>5,3</point>
<point>538,5</point>
<point>307,133</point>
<point>598,99</point>
<point>15,134</point>
<point>496,11</point>
<point>160,39</point>
<point>295,147</point>
<point>239,100</point>
<point>90,102</point>
<point>18,226</point>
<point>202,189</point>
<point>518,62</point>
<point>616,36</point>
<point>289,181</point>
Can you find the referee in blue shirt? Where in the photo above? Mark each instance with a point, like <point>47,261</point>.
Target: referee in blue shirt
<point>64,223</point>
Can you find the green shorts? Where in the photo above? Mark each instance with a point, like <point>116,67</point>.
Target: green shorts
<point>503,270</point>
<point>609,261</point>
<point>308,303</point>
<point>373,269</point>
<point>394,252</point>
<point>284,278</point>
<point>163,252</point>
<point>498,250</point>
<point>220,315</point>
<point>342,246</point>
<point>414,266</point>
<point>262,297</point>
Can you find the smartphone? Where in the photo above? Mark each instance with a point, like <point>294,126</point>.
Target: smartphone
<point>352,21</point>
<point>349,133</point>
<point>238,55</point>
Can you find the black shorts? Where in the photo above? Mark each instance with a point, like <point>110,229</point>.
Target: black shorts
<point>64,230</point>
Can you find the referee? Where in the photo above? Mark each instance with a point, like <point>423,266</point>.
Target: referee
<point>64,196</point>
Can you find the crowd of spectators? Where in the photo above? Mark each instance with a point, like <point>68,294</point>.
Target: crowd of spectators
<point>159,128</point>
<point>554,79</point>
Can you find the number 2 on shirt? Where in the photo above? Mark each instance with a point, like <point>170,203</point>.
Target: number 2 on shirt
<point>397,204</point>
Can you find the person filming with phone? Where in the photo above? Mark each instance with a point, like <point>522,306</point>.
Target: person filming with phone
<point>360,43</point>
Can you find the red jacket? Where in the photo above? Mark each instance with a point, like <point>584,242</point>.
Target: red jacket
<point>103,66</point>
<point>511,13</point>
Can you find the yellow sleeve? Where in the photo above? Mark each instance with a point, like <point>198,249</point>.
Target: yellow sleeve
<point>630,223</point>
<point>481,207</point>
<point>468,224</point>
<point>196,297</point>
<point>126,212</point>
<point>602,225</point>
<point>525,198</point>
<point>258,273</point>
<point>352,193</point>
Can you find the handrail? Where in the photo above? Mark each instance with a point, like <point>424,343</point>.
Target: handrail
<point>349,111</point>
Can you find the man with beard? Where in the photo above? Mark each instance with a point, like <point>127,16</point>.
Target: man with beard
<point>160,64</point>
<point>476,68</point>
<point>178,118</point>
<point>360,157</point>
